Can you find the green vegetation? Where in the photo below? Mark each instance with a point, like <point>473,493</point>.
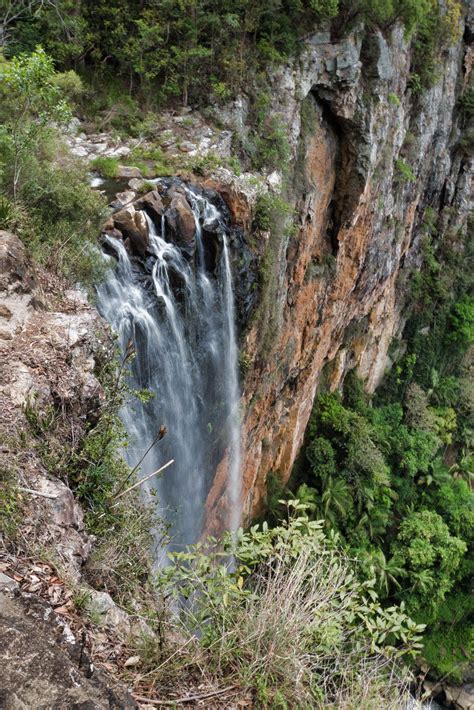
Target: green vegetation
<point>164,50</point>
<point>107,167</point>
<point>44,195</point>
<point>404,171</point>
<point>180,50</point>
<point>271,217</point>
<point>290,620</point>
<point>91,464</point>
<point>295,618</point>
<point>391,474</point>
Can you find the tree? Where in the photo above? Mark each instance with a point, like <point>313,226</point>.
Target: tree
<point>430,558</point>
<point>31,102</point>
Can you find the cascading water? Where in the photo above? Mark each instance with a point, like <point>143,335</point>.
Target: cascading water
<point>178,312</point>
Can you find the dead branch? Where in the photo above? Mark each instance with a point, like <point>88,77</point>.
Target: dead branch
<point>188,699</point>
<point>37,493</point>
<point>142,480</point>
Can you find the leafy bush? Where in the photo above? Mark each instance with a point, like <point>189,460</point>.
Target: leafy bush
<point>31,101</point>
<point>44,194</point>
<point>404,171</point>
<point>289,620</point>
<point>462,321</point>
<point>429,557</point>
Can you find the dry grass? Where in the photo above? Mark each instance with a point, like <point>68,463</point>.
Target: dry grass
<point>292,640</point>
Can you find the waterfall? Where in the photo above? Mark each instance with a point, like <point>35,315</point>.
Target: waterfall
<point>178,312</point>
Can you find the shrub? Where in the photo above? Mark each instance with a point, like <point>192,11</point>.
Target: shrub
<point>462,321</point>
<point>288,619</point>
<point>404,171</point>
<point>31,100</point>
<point>63,219</point>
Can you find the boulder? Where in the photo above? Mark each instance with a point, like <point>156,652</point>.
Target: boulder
<point>132,224</point>
<point>102,604</point>
<point>187,147</point>
<point>121,151</point>
<point>461,697</point>
<point>110,230</point>
<point>152,204</point>
<point>122,199</point>
<point>180,221</point>
<point>15,274</point>
<point>114,233</point>
<point>64,522</point>
<point>136,184</point>
<point>126,171</point>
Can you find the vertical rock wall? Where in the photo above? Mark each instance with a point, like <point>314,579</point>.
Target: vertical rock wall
<point>353,124</point>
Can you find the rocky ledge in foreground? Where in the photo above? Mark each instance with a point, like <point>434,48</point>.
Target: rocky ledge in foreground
<point>41,664</point>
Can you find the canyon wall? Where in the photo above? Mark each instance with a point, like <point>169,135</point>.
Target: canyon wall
<point>368,156</point>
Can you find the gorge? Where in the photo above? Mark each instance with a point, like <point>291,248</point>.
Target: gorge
<point>236,332</point>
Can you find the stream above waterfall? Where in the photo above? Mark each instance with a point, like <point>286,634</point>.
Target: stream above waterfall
<point>172,307</point>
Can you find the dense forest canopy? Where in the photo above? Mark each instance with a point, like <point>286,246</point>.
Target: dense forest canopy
<point>186,48</point>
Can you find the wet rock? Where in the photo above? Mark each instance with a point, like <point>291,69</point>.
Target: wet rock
<point>136,184</point>
<point>114,233</point>
<point>132,224</point>
<point>108,225</point>
<point>238,194</point>
<point>122,199</point>
<point>180,221</point>
<point>152,204</point>
<point>461,697</point>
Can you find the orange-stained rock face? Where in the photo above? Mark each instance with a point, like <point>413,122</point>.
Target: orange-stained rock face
<point>342,278</point>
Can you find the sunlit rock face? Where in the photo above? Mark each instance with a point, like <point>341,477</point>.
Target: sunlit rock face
<point>368,157</point>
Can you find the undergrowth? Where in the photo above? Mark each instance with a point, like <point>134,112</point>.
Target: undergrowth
<point>288,620</point>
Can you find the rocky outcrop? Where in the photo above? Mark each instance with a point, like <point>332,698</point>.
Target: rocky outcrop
<point>131,223</point>
<point>152,204</point>
<point>47,366</point>
<point>180,220</point>
<point>335,299</point>
<point>49,398</point>
<point>42,665</point>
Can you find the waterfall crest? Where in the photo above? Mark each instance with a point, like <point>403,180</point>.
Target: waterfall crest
<point>177,310</point>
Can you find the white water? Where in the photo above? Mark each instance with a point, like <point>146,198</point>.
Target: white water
<point>179,315</point>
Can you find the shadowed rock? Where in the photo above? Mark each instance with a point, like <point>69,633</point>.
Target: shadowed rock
<point>180,221</point>
<point>152,204</point>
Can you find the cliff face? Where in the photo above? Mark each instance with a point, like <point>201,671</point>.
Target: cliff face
<point>368,156</point>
